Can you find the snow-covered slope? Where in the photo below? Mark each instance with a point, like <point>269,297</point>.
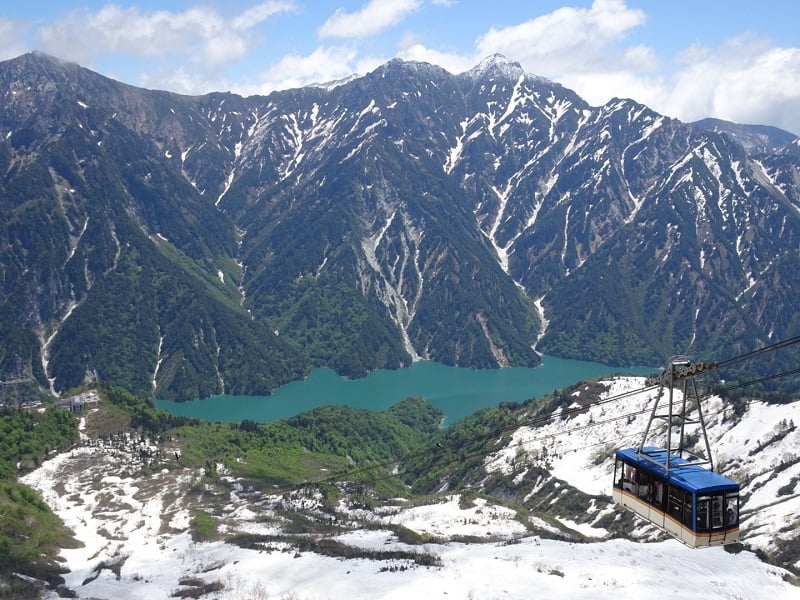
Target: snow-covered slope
<point>758,449</point>
<point>138,536</point>
<point>137,546</point>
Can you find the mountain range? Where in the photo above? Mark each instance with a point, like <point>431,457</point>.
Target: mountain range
<point>183,247</point>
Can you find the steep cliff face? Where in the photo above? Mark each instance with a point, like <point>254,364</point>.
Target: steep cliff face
<point>186,246</point>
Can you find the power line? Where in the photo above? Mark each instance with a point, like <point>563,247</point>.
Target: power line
<point>463,457</point>
<point>643,411</point>
<point>485,436</point>
<point>766,349</point>
<point>760,380</point>
<point>636,434</point>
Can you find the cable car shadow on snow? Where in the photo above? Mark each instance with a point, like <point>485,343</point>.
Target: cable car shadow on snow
<point>670,487</point>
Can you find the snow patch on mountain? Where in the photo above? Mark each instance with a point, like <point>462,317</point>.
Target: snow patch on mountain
<point>496,63</point>
<point>391,283</point>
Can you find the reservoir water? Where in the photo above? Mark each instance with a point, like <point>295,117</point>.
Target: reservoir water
<point>457,392</point>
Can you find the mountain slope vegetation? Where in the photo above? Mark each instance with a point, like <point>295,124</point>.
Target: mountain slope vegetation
<point>184,247</point>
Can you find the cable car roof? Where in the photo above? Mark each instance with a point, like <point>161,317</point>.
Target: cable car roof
<point>689,476</point>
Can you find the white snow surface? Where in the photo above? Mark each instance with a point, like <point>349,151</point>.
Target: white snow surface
<point>141,525</point>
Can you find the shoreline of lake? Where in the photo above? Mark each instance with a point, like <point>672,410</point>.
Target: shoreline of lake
<point>456,391</point>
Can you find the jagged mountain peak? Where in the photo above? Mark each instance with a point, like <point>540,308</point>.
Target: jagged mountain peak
<point>627,105</point>
<point>403,68</point>
<point>40,66</point>
<point>624,114</point>
<point>495,64</point>
<point>40,59</point>
<point>35,73</point>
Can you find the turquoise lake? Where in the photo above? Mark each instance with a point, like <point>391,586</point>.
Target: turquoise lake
<point>457,392</point>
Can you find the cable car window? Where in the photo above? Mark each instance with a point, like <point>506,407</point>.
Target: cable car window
<point>702,513</point>
<point>643,486</point>
<point>631,477</point>
<point>687,508</point>
<point>619,473</point>
<point>658,493</point>
<point>716,512</point>
<point>731,510</point>
<point>675,502</point>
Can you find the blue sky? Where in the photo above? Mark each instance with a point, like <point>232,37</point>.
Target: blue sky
<point>729,59</point>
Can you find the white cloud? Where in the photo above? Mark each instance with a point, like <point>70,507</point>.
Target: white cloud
<point>746,80</point>
<point>11,40</point>
<point>199,33</point>
<point>256,15</point>
<point>451,61</point>
<point>177,80</point>
<point>373,17</point>
<point>578,47</point>
<point>568,40</point>
<point>326,63</point>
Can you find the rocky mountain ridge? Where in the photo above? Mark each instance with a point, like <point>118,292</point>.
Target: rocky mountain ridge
<point>188,246</point>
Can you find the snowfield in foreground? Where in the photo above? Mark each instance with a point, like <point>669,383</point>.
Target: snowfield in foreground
<point>137,540</point>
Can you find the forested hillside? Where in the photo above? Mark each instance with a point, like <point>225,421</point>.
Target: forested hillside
<point>184,247</point>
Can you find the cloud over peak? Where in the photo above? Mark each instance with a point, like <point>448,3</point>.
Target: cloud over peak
<point>199,32</point>
<point>371,19</point>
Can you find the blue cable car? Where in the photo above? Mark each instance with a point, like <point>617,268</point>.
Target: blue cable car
<point>696,506</point>
<point>669,486</point>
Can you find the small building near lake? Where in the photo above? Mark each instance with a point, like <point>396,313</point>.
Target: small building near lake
<point>79,403</point>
